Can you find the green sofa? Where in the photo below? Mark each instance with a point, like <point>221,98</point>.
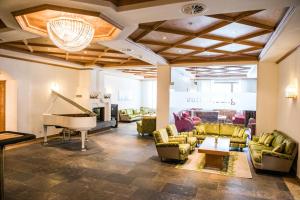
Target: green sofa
<point>146,125</point>
<point>238,134</point>
<point>130,115</point>
<point>171,147</point>
<point>172,132</point>
<point>277,153</point>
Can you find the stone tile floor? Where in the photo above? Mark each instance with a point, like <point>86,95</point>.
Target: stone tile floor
<point>121,165</point>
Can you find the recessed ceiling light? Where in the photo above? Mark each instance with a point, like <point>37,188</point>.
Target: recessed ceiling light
<point>48,49</point>
<point>85,52</point>
<point>164,37</point>
<point>179,51</point>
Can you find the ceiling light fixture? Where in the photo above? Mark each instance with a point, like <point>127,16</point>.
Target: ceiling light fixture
<point>70,34</point>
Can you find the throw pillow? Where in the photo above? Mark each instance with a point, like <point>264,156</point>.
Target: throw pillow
<point>279,148</point>
<point>263,138</point>
<point>236,132</point>
<point>241,132</point>
<point>200,129</point>
<point>269,140</point>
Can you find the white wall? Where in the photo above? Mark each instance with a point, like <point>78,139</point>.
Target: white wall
<point>267,87</point>
<point>148,93</point>
<point>288,114</point>
<point>126,92</point>
<point>32,83</point>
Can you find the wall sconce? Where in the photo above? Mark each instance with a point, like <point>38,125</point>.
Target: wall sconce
<point>291,92</point>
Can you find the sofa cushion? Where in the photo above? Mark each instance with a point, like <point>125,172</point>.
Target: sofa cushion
<point>192,140</point>
<point>227,129</point>
<point>256,155</point>
<point>289,147</point>
<point>236,132</point>
<point>201,137</point>
<point>172,130</point>
<point>200,129</point>
<point>161,136</point>
<point>211,128</point>
<point>136,111</point>
<point>241,132</point>
<point>280,148</point>
<point>263,138</point>
<point>269,140</point>
<point>184,148</point>
<point>278,139</point>
<point>129,111</point>
<point>237,140</point>
<point>259,147</point>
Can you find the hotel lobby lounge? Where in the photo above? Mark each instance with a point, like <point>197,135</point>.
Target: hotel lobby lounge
<point>149,99</point>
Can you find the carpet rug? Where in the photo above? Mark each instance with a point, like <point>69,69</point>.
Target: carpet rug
<point>236,164</point>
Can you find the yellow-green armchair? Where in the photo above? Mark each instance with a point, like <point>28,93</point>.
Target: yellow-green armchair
<point>147,125</point>
<point>170,149</point>
<point>173,133</point>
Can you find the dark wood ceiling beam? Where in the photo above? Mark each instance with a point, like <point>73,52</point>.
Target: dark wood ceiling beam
<point>27,45</point>
<point>196,52</point>
<point>243,21</point>
<point>216,59</point>
<point>252,35</point>
<point>219,25</point>
<point>145,32</point>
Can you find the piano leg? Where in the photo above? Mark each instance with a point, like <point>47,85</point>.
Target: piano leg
<point>45,135</point>
<point>83,134</point>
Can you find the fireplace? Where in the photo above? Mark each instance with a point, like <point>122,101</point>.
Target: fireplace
<point>100,113</point>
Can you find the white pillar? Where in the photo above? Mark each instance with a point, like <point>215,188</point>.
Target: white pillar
<point>267,90</point>
<point>163,95</point>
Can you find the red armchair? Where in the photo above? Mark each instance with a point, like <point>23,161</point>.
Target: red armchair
<point>183,124</point>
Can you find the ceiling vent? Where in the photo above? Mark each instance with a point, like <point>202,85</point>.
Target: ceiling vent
<point>193,9</point>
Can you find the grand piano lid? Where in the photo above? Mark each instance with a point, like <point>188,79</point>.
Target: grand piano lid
<point>85,110</point>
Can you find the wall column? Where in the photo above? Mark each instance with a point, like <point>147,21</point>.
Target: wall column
<point>163,95</point>
<point>267,92</point>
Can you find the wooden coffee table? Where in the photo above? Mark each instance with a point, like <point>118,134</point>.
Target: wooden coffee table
<point>215,152</point>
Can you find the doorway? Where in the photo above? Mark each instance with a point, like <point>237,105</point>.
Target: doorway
<point>2,105</point>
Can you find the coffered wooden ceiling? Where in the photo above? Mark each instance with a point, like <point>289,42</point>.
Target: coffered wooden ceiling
<point>146,72</point>
<point>222,37</point>
<point>127,2</point>
<point>200,39</point>
<point>219,71</point>
<point>95,54</point>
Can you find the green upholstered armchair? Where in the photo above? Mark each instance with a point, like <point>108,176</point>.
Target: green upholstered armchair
<point>170,149</point>
<point>173,133</point>
<point>147,125</point>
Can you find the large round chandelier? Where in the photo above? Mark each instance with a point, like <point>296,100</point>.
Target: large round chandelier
<point>70,34</point>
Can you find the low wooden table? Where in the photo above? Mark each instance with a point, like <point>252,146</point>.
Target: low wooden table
<point>215,152</point>
<point>6,138</point>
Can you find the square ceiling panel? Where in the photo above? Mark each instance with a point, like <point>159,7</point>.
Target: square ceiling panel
<point>234,30</point>
<point>233,47</point>
<point>163,37</point>
<point>178,51</point>
<point>201,42</point>
<point>208,54</point>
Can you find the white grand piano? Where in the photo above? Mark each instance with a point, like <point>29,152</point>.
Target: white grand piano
<point>78,122</point>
